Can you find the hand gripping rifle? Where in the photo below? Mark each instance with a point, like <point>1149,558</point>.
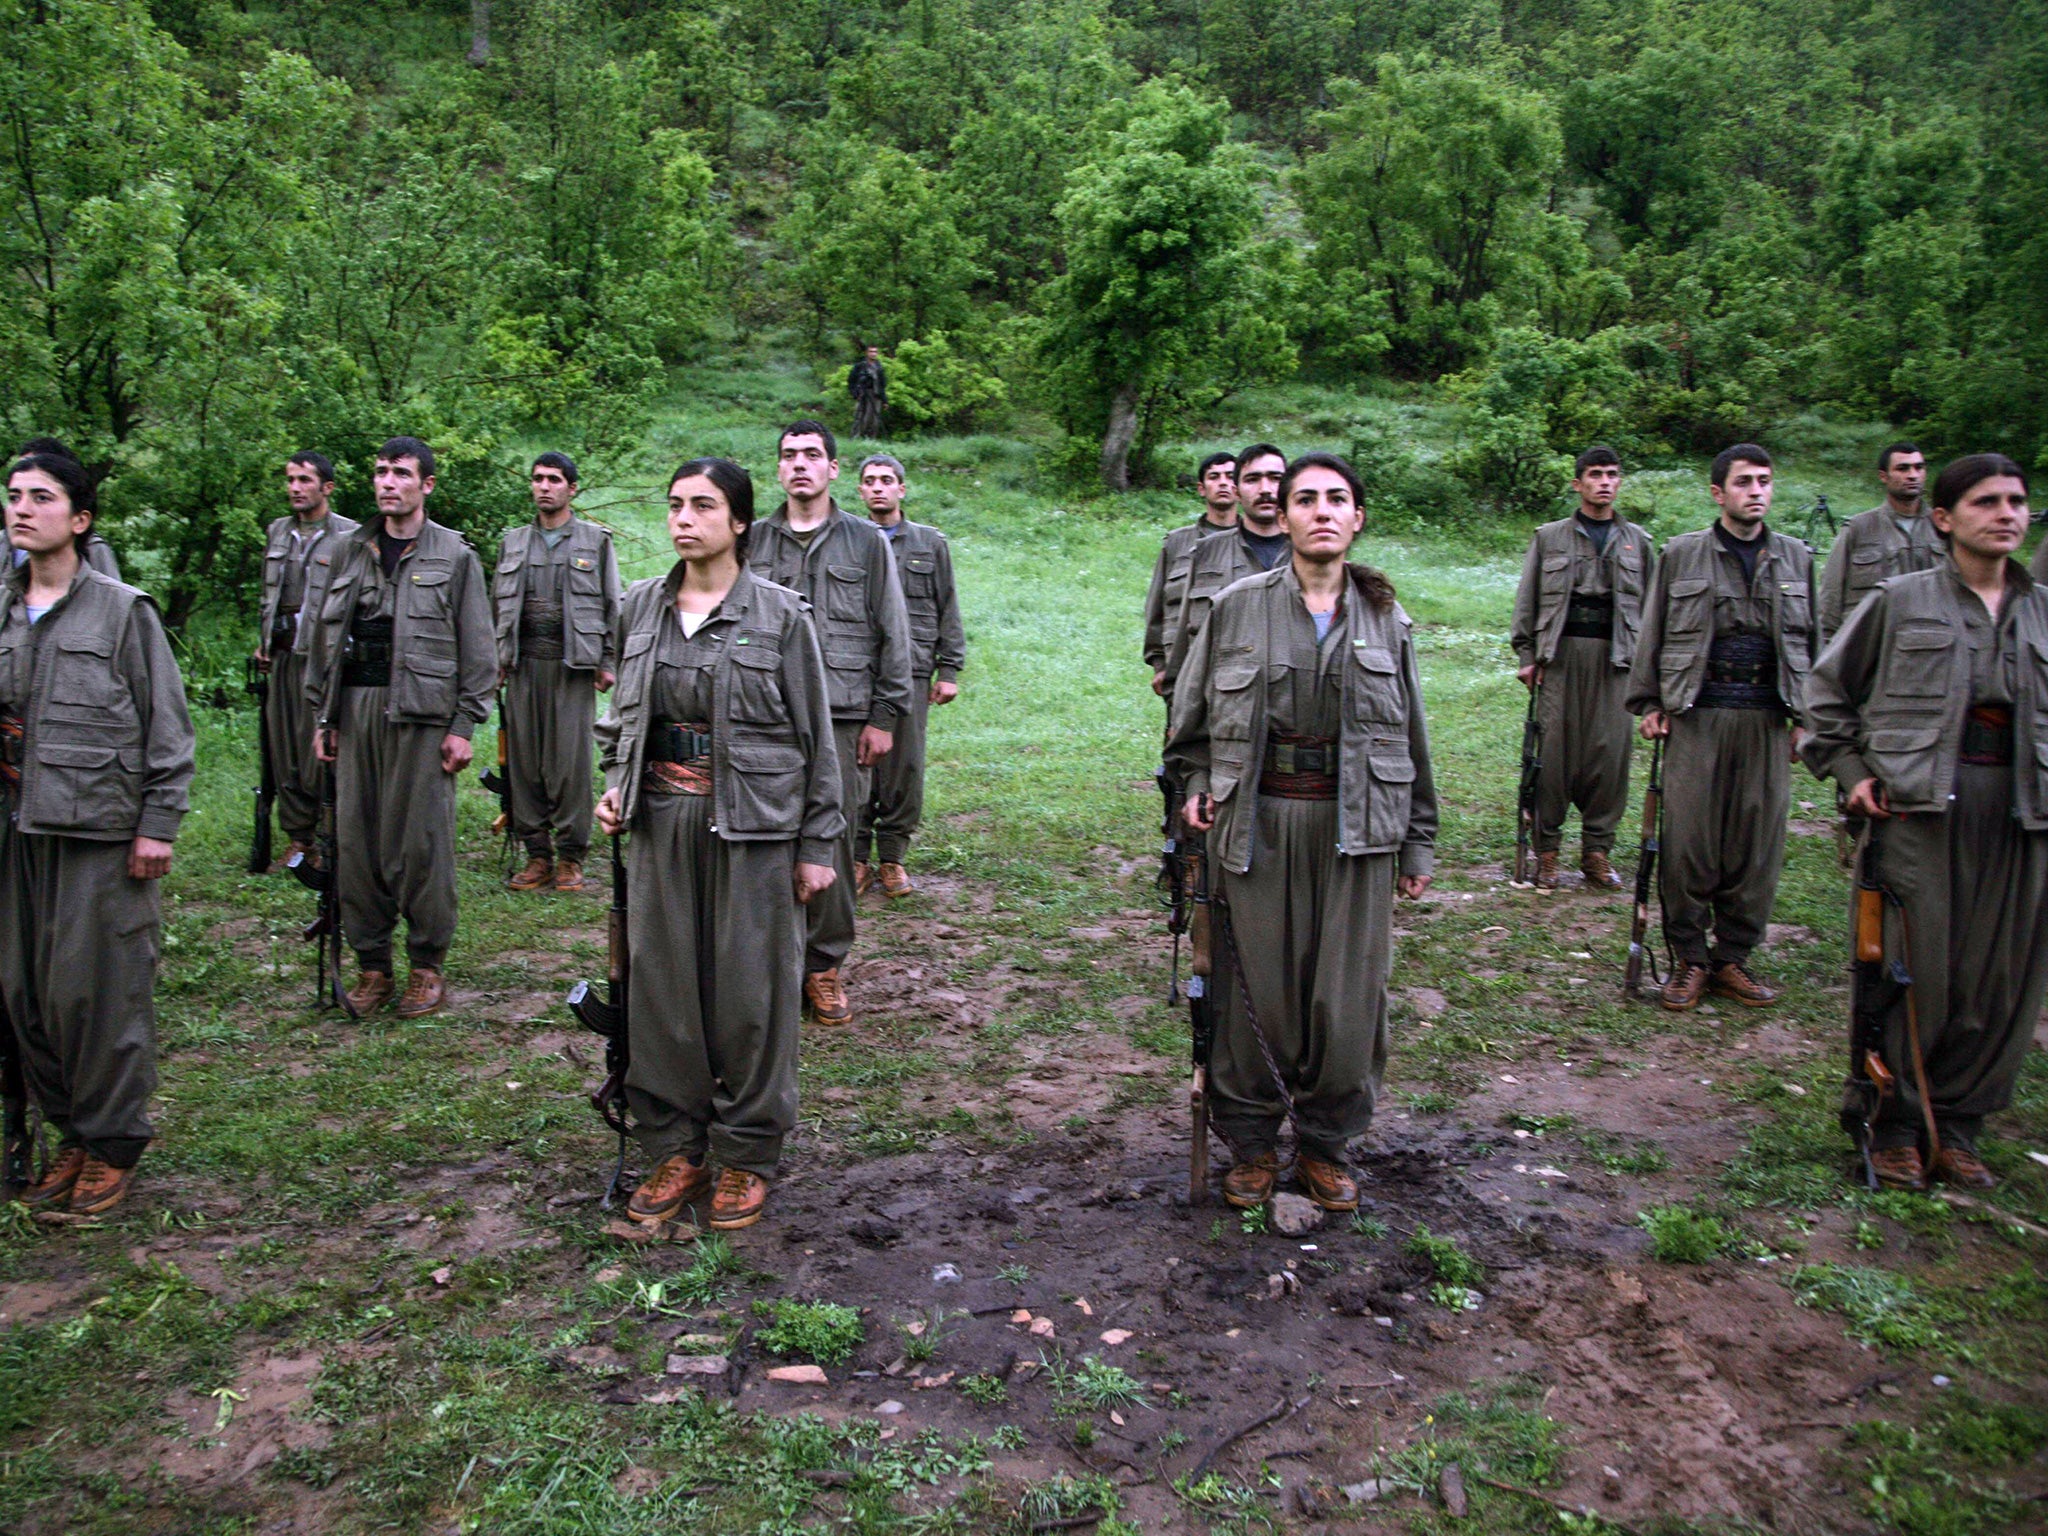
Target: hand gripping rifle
<point>1526,797</point>
<point>257,681</point>
<point>1184,891</point>
<point>607,1016</point>
<point>1879,979</point>
<point>1646,880</point>
<point>323,879</point>
<point>498,781</point>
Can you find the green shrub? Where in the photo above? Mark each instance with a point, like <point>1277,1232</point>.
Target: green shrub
<point>1681,1235</point>
<point>825,1331</point>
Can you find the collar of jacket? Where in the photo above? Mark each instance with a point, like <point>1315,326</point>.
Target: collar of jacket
<point>738,598</point>
<point>17,580</point>
<point>779,521</point>
<point>2018,579</point>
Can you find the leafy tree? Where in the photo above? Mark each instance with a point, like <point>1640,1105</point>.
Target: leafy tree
<point>1160,309</point>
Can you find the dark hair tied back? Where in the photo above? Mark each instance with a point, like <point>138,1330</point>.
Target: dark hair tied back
<point>61,465</point>
<point>733,482</point>
<point>1961,476</point>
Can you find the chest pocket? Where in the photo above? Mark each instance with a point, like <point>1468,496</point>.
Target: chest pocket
<point>430,589</point>
<point>846,593</point>
<point>1232,701</point>
<point>1919,664</point>
<point>633,667</point>
<point>920,578</point>
<point>584,578</point>
<point>756,696</point>
<point>82,682</point>
<point>509,566</point>
<point>1687,607</point>
<point>1375,691</point>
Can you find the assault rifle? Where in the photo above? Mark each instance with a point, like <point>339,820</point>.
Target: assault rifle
<point>607,1016</point>
<point>1526,797</point>
<point>498,781</point>
<point>1646,879</point>
<point>1184,891</point>
<point>1880,979</point>
<point>20,1144</point>
<point>322,878</point>
<point>257,681</point>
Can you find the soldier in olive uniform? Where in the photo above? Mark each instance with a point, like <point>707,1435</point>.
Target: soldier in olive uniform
<point>1720,670</point>
<point>1259,545</point>
<point>1299,736</point>
<point>298,553</point>
<point>95,764</point>
<point>558,601</point>
<point>718,755</point>
<point>1930,710</point>
<point>842,566</point>
<point>1577,613</point>
<point>400,677</point>
<point>1216,480</point>
<point>938,644</point>
<point>1888,540</point>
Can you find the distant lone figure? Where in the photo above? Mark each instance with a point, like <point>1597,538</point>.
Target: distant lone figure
<point>869,386</point>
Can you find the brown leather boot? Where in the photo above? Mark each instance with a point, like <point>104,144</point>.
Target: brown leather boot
<point>895,880</point>
<point>675,1183</point>
<point>1325,1183</point>
<point>863,878</point>
<point>1682,991</point>
<point>372,991</point>
<point>1735,981</point>
<point>1961,1166</point>
<point>55,1186</point>
<point>1599,871</point>
<point>100,1187</point>
<point>538,875</point>
<point>738,1200</point>
<point>1249,1185</point>
<point>1546,871</point>
<point>826,996</point>
<point>1900,1167</point>
<point>424,994</point>
<point>569,875</point>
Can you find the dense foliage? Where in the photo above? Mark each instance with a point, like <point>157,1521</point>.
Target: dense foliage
<point>229,232</point>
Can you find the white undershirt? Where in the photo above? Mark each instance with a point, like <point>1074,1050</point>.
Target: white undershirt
<point>691,622</point>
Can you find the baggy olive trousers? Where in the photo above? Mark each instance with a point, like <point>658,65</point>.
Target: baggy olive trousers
<point>1586,742</point>
<point>890,815</point>
<point>288,723</point>
<point>550,721</point>
<point>395,829</point>
<point>1727,787</point>
<point>831,912</point>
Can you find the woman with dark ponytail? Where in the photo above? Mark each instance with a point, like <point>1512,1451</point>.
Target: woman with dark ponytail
<point>718,758</point>
<point>1930,710</point>
<point>53,458</point>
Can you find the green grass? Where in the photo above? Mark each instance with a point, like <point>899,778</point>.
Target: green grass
<point>823,1331</point>
<point>1448,1263</point>
<point>1881,1307</point>
<point>1681,1235</point>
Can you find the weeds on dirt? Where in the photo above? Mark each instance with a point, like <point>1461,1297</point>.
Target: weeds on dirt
<point>1448,1263</point>
<point>1912,1486</point>
<point>1065,1498</point>
<point>823,1330</point>
<point>1366,1226</point>
<point>1882,1307</point>
<point>1681,1235</point>
<point>1093,1386</point>
<point>1254,1222</point>
<point>984,1389</point>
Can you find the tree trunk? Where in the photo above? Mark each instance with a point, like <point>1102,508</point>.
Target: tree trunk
<point>479,31</point>
<point>1117,440</point>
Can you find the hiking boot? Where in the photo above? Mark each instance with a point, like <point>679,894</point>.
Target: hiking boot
<point>1546,871</point>
<point>1682,991</point>
<point>569,875</point>
<point>56,1184</point>
<point>1961,1166</point>
<point>675,1183</point>
<point>538,875</point>
<point>372,991</point>
<point>738,1200</point>
<point>825,996</point>
<point>863,878</point>
<point>1249,1185</point>
<point>424,994</point>
<point>1325,1183</point>
<point>1735,981</point>
<point>1599,871</point>
<point>1900,1167</point>
<point>100,1187</point>
<point>895,880</point>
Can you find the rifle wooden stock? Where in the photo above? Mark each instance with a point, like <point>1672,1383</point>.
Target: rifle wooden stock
<point>1646,875</point>
<point>1526,795</point>
<point>258,683</point>
<point>1202,1031</point>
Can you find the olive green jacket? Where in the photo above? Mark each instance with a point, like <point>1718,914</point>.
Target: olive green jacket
<point>1543,601</point>
<point>849,578</point>
<point>1678,619</point>
<point>590,597</point>
<point>1169,589</point>
<point>2039,569</point>
<point>314,554</point>
<point>107,745</point>
<point>1887,699</point>
<point>924,564</point>
<point>1213,564</point>
<point>1867,550</point>
<point>774,769</point>
<point>1386,790</point>
<point>443,655</point>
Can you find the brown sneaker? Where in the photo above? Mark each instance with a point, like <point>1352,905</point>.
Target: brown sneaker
<point>1251,1184</point>
<point>675,1183</point>
<point>863,878</point>
<point>1599,871</point>
<point>738,1200</point>
<point>1735,981</point>
<point>56,1184</point>
<point>372,991</point>
<point>1900,1167</point>
<point>1682,991</point>
<point>424,994</point>
<point>569,875</point>
<point>825,994</point>
<point>1959,1165</point>
<point>1325,1183</point>
<point>100,1187</point>
<point>538,875</point>
<point>895,880</point>
<point>1546,871</point>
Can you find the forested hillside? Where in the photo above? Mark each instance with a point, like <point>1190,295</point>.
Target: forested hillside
<point>234,230</point>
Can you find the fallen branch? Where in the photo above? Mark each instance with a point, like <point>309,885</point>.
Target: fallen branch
<point>1576,1511</point>
<point>1070,1522</point>
<point>1280,1410</point>
<point>1969,1203</point>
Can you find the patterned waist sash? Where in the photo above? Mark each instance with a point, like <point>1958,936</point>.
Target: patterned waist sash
<point>678,760</point>
<point>1299,767</point>
<point>1987,736</point>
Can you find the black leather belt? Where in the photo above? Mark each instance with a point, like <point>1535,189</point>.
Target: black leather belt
<point>671,741</point>
<point>1590,618</point>
<point>367,661</point>
<point>1987,736</point>
<point>283,629</point>
<point>1290,757</point>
